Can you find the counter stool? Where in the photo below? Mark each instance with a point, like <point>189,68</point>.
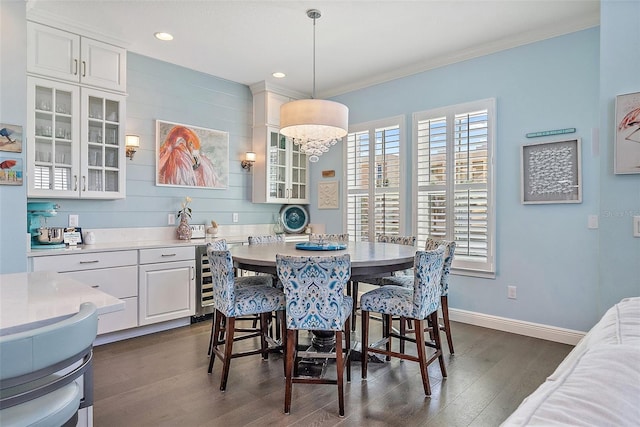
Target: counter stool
<point>221,245</point>
<point>232,301</point>
<point>417,304</point>
<point>33,391</point>
<point>315,300</point>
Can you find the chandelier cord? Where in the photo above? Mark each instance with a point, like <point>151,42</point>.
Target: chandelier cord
<point>313,92</point>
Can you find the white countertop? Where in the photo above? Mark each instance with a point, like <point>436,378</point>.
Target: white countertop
<point>30,300</point>
<point>122,239</point>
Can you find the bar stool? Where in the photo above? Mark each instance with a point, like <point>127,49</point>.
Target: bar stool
<point>315,300</point>
<point>417,304</point>
<point>232,301</point>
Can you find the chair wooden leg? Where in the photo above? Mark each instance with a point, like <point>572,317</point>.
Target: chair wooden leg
<point>290,355</point>
<point>283,333</point>
<point>216,328</point>
<point>438,343</point>
<point>347,345</point>
<point>228,347</point>
<point>264,330</point>
<point>422,356</point>
<point>388,323</point>
<point>365,343</point>
<point>213,325</point>
<point>403,332</point>
<point>444,302</point>
<point>340,372</point>
<point>354,309</point>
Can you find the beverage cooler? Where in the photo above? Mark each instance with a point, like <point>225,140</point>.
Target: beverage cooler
<point>204,291</point>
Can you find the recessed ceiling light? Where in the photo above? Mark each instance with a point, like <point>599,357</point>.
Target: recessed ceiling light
<point>163,36</point>
<point>279,75</point>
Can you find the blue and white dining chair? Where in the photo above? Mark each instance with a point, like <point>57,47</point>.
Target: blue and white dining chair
<point>416,304</point>
<point>232,301</point>
<point>221,245</point>
<point>400,280</point>
<point>380,281</point>
<point>334,237</point>
<point>40,371</point>
<point>315,300</point>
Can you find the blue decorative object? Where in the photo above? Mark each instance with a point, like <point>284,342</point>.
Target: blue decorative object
<point>328,246</point>
<point>294,218</point>
<point>550,132</point>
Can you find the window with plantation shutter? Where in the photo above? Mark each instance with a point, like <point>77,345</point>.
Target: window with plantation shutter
<point>453,181</point>
<point>374,179</point>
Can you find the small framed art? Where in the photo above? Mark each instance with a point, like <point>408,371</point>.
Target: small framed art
<point>551,172</point>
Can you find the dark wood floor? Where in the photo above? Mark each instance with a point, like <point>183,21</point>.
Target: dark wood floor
<point>161,380</point>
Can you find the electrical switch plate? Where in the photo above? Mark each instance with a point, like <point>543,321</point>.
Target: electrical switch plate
<point>235,217</point>
<point>636,226</point>
<point>73,220</point>
<point>171,219</point>
<point>592,223</point>
<point>511,292</point>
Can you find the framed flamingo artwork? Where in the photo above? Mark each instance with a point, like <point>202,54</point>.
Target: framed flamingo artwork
<point>627,134</point>
<point>191,156</point>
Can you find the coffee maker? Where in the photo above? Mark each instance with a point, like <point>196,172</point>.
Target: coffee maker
<point>43,237</point>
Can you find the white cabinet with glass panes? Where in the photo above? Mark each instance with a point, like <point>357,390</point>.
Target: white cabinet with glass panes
<point>280,174</point>
<point>75,141</point>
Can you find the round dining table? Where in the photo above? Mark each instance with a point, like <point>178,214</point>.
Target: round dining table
<point>368,259</point>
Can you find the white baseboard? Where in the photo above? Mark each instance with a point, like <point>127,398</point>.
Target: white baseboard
<point>536,330</point>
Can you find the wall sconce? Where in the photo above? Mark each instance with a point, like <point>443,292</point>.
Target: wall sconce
<point>249,159</point>
<point>132,143</point>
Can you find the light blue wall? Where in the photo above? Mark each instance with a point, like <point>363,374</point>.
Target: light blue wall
<point>161,91</point>
<point>620,194</point>
<point>545,250</point>
<point>13,110</point>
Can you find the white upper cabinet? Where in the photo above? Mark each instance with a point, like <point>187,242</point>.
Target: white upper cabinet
<point>280,173</point>
<point>63,55</point>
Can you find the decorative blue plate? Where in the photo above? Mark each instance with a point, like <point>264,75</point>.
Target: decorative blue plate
<point>294,218</point>
<point>313,246</point>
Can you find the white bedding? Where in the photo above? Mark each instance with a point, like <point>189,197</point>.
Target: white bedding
<point>598,383</point>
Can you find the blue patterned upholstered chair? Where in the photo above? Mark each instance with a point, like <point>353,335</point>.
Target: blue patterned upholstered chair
<point>417,304</point>
<point>339,237</point>
<point>270,238</point>
<point>232,301</point>
<point>221,245</point>
<point>379,281</point>
<point>33,391</point>
<point>314,289</point>
<point>450,249</point>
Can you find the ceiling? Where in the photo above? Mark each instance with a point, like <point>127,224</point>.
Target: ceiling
<point>358,43</point>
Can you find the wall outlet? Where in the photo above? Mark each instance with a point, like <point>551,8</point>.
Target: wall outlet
<point>511,292</point>
<point>636,226</point>
<point>592,222</point>
<point>171,219</point>
<point>235,217</point>
<point>73,220</point>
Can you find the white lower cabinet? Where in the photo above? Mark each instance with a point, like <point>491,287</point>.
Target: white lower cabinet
<point>115,273</point>
<point>166,284</point>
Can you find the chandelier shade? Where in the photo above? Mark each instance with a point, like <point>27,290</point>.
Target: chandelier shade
<point>314,119</point>
<point>314,124</point>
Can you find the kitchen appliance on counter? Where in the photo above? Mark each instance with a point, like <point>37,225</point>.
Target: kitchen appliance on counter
<point>43,237</point>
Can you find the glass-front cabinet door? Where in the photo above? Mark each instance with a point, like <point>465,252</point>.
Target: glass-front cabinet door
<point>286,170</point>
<point>75,141</point>
<point>53,140</point>
<point>102,149</point>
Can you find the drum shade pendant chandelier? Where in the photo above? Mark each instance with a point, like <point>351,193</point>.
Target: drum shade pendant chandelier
<point>314,124</point>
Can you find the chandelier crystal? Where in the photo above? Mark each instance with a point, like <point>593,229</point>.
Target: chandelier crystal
<point>314,124</point>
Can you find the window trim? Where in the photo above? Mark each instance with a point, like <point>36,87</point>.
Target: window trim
<point>488,268</point>
<point>371,127</point>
